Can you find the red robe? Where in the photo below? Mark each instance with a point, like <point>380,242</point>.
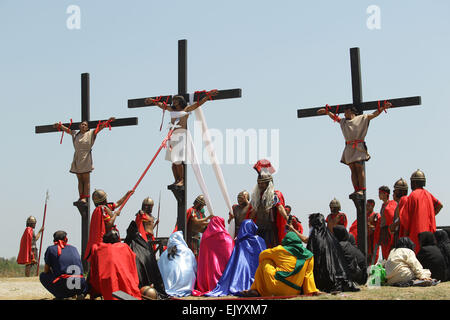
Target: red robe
<point>297,225</point>
<point>389,210</point>
<point>140,218</point>
<point>97,228</point>
<point>279,219</point>
<point>370,236</point>
<point>401,205</point>
<point>26,255</point>
<point>342,219</point>
<point>418,215</point>
<point>113,268</point>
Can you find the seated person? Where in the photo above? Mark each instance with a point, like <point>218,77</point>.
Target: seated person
<point>240,271</point>
<point>113,268</point>
<point>402,265</point>
<point>63,271</point>
<point>330,267</point>
<point>430,256</point>
<point>284,270</point>
<point>355,259</point>
<point>443,242</point>
<point>216,247</point>
<point>178,267</point>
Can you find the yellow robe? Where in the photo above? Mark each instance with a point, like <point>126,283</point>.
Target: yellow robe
<point>279,259</point>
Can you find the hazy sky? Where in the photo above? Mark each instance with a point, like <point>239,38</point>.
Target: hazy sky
<point>285,55</point>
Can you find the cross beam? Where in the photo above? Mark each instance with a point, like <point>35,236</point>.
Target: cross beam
<point>85,116</point>
<point>355,65</point>
<point>180,193</point>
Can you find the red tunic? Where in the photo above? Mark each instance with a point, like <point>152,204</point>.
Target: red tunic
<point>387,211</point>
<point>280,220</point>
<point>26,254</point>
<point>97,228</point>
<point>401,205</point>
<point>418,215</point>
<point>297,225</point>
<point>370,235</point>
<point>113,268</point>
<point>342,219</point>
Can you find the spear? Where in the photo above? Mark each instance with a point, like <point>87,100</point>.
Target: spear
<point>159,207</point>
<point>42,235</point>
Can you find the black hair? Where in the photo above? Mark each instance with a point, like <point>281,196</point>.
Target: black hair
<point>111,237</point>
<point>180,99</point>
<point>416,184</point>
<point>385,189</point>
<point>371,201</point>
<point>405,242</point>
<point>59,235</point>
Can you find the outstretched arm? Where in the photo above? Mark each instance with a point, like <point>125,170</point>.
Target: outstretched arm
<point>150,101</point>
<point>334,117</point>
<point>62,128</point>
<point>195,105</point>
<point>104,125</point>
<point>386,105</point>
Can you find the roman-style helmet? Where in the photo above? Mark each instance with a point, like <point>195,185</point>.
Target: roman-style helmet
<point>401,184</point>
<point>418,175</point>
<point>335,204</point>
<point>31,220</point>
<point>265,177</point>
<point>98,196</point>
<point>147,202</point>
<point>149,292</point>
<point>200,200</point>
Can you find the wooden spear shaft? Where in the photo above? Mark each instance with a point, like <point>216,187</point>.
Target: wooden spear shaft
<point>42,235</point>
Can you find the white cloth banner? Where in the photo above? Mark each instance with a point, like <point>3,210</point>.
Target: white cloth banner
<point>216,167</point>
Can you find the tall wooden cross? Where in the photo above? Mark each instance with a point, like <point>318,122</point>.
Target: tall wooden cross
<point>85,116</point>
<point>180,193</point>
<point>361,106</point>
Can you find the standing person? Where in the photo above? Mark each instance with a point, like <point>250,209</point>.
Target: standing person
<point>336,217</point>
<point>420,210</point>
<point>382,233</point>
<point>400,196</point>
<point>103,218</point>
<point>82,165</point>
<point>179,111</point>
<point>296,223</point>
<point>268,206</point>
<point>28,252</point>
<point>196,223</point>
<point>372,221</point>
<point>63,271</point>
<point>241,210</point>
<point>354,128</point>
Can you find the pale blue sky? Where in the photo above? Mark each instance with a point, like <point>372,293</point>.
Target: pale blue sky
<point>284,55</point>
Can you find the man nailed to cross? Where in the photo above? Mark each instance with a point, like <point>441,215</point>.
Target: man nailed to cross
<point>354,128</point>
<point>179,113</point>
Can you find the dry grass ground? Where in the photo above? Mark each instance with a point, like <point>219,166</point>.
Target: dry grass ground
<point>22,288</point>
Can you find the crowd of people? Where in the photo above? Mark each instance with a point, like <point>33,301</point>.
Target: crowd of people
<point>270,255</point>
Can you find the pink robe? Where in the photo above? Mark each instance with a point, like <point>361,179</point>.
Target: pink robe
<point>216,247</point>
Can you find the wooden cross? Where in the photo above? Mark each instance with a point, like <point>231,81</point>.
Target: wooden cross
<point>180,193</point>
<point>85,116</point>
<point>360,203</point>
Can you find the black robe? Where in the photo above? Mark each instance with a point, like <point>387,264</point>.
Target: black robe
<point>147,266</point>
<point>330,267</point>
<point>430,257</point>
<point>356,262</point>
<point>443,243</point>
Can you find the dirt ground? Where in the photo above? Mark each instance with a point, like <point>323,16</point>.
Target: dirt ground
<point>31,289</point>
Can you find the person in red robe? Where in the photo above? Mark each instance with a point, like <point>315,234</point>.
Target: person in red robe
<point>28,250</point>
<point>401,196</point>
<point>113,268</point>
<point>296,223</point>
<point>420,210</point>
<point>336,216</point>
<point>103,218</point>
<point>382,233</point>
<point>372,221</point>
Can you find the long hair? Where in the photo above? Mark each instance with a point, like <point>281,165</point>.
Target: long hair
<point>266,201</point>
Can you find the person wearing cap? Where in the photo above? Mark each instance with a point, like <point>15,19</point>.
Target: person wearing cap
<point>420,210</point>
<point>336,217</point>
<point>401,196</point>
<point>268,206</point>
<point>63,270</point>
<point>28,250</point>
<point>354,128</point>
<point>179,111</point>
<point>196,223</point>
<point>103,218</point>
